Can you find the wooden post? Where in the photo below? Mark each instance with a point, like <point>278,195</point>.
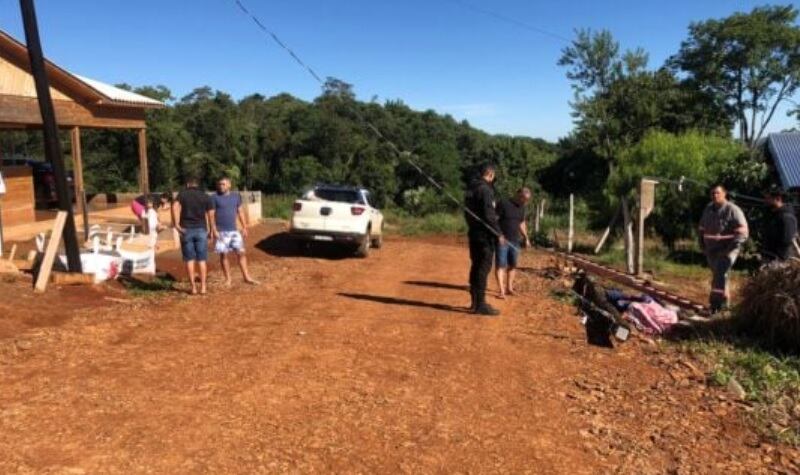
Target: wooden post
<point>80,189</point>
<point>628,235</point>
<point>50,252</point>
<point>647,195</point>
<point>537,216</point>
<point>144,176</point>
<point>607,231</point>
<point>571,235</point>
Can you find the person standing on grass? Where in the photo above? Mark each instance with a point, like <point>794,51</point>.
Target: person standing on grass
<point>191,215</point>
<point>484,235</point>
<point>226,210</point>
<point>780,228</point>
<point>511,217</point>
<point>723,229</point>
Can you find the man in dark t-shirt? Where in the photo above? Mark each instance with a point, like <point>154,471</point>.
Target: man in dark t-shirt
<point>227,210</point>
<point>191,213</point>
<point>511,216</point>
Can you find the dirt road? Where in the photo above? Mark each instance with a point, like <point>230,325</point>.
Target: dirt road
<point>344,365</point>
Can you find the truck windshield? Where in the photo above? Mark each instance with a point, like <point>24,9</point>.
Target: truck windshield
<point>340,196</point>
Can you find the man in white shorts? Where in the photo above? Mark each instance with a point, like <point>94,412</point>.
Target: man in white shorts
<point>226,211</point>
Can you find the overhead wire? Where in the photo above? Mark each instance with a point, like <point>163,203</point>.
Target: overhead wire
<point>507,19</point>
<point>403,155</point>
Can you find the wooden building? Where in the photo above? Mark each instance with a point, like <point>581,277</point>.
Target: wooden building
<point>79,103</point>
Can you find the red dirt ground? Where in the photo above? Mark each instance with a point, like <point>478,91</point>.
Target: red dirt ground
<point>347,365</point>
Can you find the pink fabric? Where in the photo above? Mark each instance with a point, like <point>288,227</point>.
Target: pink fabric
<point>651,317</point>
<point>137,208</point>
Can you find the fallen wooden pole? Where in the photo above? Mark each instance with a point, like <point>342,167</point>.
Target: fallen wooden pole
<point>632,282</point>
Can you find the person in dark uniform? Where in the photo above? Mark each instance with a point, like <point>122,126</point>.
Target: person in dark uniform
<point>484,236</point>
<point>780,228</point>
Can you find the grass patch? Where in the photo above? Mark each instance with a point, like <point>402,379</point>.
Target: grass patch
<point>658,261</point>
<point>401,223</point>
<point>277,206</point>
<point>159,285</point>
<point>772,383</point>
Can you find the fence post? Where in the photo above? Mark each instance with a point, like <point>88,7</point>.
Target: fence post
<point>628,233</point>
<point>647,195</point>
<point>571,235</point>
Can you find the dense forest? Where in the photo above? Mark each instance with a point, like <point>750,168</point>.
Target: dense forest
<point>282,144</point>
<point>701,114</point>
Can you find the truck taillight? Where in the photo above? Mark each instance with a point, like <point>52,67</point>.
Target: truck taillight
<point>357,210</point>
<point>297,206</point>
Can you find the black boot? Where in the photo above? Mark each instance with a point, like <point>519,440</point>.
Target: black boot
<point>483,308</point>
<point>473,301</point>
<point>486,310</point>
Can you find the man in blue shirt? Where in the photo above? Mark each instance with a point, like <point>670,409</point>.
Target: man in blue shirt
<point>226,210</point>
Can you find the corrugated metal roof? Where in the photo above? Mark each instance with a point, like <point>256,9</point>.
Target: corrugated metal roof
<point>116,94</point>
<point>785,150</point>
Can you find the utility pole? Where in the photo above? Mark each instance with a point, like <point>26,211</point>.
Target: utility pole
<point>52,144</point>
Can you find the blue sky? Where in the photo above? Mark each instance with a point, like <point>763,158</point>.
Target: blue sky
<point>431,54</point>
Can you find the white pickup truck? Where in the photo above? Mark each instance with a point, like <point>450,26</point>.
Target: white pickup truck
<point>338,214</point>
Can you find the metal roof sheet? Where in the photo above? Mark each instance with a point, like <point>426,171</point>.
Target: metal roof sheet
<point>118,95</point>
<point>785,151</point>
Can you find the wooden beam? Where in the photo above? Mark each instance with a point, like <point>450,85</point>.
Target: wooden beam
<point>80,189</point>
<point>77,165</point>
<point>24,112</point>
<point>66,278</point>
<point>50,252</point>
<point>144,176</point>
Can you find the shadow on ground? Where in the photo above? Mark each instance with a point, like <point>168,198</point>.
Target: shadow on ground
<point>437,285</point>
<point>404,302</point>
<point>283,245</point>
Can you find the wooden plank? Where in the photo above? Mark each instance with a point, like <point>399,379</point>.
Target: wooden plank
<point>50,253</point>
<point>607,231</point>
<point>67,278</point>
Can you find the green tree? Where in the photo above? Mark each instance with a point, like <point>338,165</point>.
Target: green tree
<point>701,158</point>
<point>749,61</point>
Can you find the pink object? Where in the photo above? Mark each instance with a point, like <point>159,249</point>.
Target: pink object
<point>137,209</point>
<point>651,318</point>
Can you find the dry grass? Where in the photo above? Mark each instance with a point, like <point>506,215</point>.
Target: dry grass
<point>770,307</point>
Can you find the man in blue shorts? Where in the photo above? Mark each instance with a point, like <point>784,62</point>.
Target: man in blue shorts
<point>190,216</point>
<point>227,208</point>
<point>511,216</point>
